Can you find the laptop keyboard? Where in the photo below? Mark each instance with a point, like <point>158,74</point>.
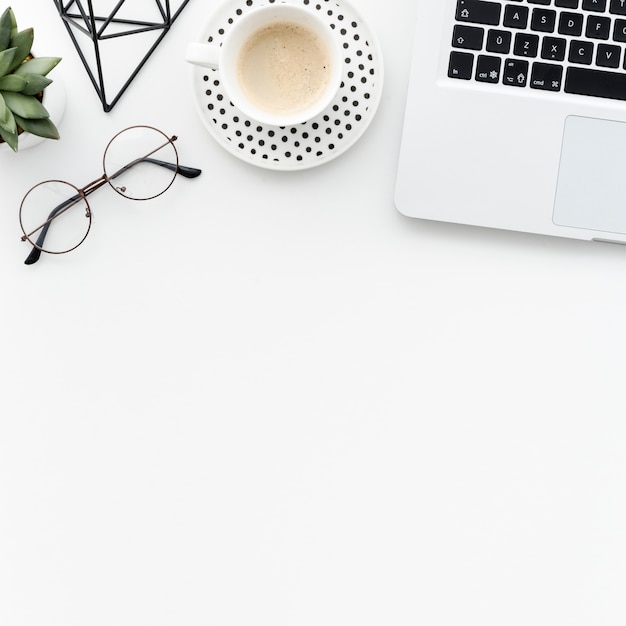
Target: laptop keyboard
<point>570,46</point>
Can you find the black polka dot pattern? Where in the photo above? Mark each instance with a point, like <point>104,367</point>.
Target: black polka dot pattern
<point>314,142</point>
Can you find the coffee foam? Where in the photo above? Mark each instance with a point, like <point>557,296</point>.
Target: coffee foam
<point>284,68</point>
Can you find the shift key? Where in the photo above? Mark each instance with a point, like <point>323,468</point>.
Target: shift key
<point>478,12</point>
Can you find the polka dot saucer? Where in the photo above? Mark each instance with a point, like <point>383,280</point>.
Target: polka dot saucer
<point>314,142</point>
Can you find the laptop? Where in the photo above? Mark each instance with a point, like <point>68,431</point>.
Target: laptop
<point>516,117</point>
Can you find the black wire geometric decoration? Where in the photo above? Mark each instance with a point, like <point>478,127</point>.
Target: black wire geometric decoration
<point>115,41</point>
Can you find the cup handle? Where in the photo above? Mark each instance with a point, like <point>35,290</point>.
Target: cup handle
<point>203,54</point>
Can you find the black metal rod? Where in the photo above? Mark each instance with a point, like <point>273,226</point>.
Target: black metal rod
<point>94,27</point>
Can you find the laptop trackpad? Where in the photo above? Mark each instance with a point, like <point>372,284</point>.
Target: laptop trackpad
<point>591,190</point>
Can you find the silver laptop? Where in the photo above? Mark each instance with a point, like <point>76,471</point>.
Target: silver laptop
<point>516,117</point>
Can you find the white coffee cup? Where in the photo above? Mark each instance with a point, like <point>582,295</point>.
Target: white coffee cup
<point>279,64</point>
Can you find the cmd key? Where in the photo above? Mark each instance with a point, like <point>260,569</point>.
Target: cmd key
<point>478,12</point>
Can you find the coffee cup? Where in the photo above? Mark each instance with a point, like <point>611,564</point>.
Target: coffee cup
<point>279,64</point>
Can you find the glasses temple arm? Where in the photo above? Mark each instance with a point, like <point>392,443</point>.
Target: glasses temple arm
<point>187,172</point>
<point>183,170</point>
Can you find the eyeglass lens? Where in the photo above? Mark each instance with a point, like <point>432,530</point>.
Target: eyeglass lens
<point>133,162</point>
<point>55,216</point>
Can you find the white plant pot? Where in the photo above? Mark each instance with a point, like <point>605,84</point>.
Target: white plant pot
<point>54,101</point>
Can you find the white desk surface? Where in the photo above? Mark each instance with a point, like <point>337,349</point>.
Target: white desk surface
<point>271,399</point>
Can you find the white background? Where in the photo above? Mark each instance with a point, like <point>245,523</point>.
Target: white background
<point>268,398</point>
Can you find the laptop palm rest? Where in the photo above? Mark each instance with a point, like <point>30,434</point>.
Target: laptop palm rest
<point>591,188</point>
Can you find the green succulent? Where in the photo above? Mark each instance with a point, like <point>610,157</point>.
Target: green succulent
<point>22,81</point>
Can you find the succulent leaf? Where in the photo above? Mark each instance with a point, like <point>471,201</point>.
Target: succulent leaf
<point>6,26</point>
<point>22,80</point>
<point>6,60</point>
<point>25,106</point>
<point>13,21</point>
<point>10,138</point>
<point>41,128</point>
<point>12,82</point>
<point>4,110</point>
<point>38,65</point>
<point>23,41</point>
<point>34,83</point>
<point>9,124</point>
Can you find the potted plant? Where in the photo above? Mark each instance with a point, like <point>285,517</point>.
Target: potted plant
<point>23,80</point>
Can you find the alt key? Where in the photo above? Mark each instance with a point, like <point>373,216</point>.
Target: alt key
<point>515,73</point>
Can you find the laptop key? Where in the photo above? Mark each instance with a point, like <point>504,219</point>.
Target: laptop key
<point>515,73</point>
<point>515,17</point>
<point>594,5</point>
<point>581,52</point>
<point>543,20</point>
<point>571,24</point>
<point>608,56</point>
<point>526,45</point>
<point>546,76</point>
<point>598,27</point>
<point>619,32</point>
<point>499,41</point>
<point>553,48</point>
<point>618,7</point>
<point>478,12</point>
<point>469,37</point>
<point>488,69</point>
<point>461,65</point>
<point>589,82</point>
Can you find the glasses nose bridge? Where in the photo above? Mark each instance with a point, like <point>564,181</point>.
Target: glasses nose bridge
<point>94,185</point>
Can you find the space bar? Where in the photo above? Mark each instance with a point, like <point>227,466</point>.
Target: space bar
<point>586,82</point>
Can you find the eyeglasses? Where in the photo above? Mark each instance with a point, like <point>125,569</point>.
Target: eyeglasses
<point>55,216</point>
